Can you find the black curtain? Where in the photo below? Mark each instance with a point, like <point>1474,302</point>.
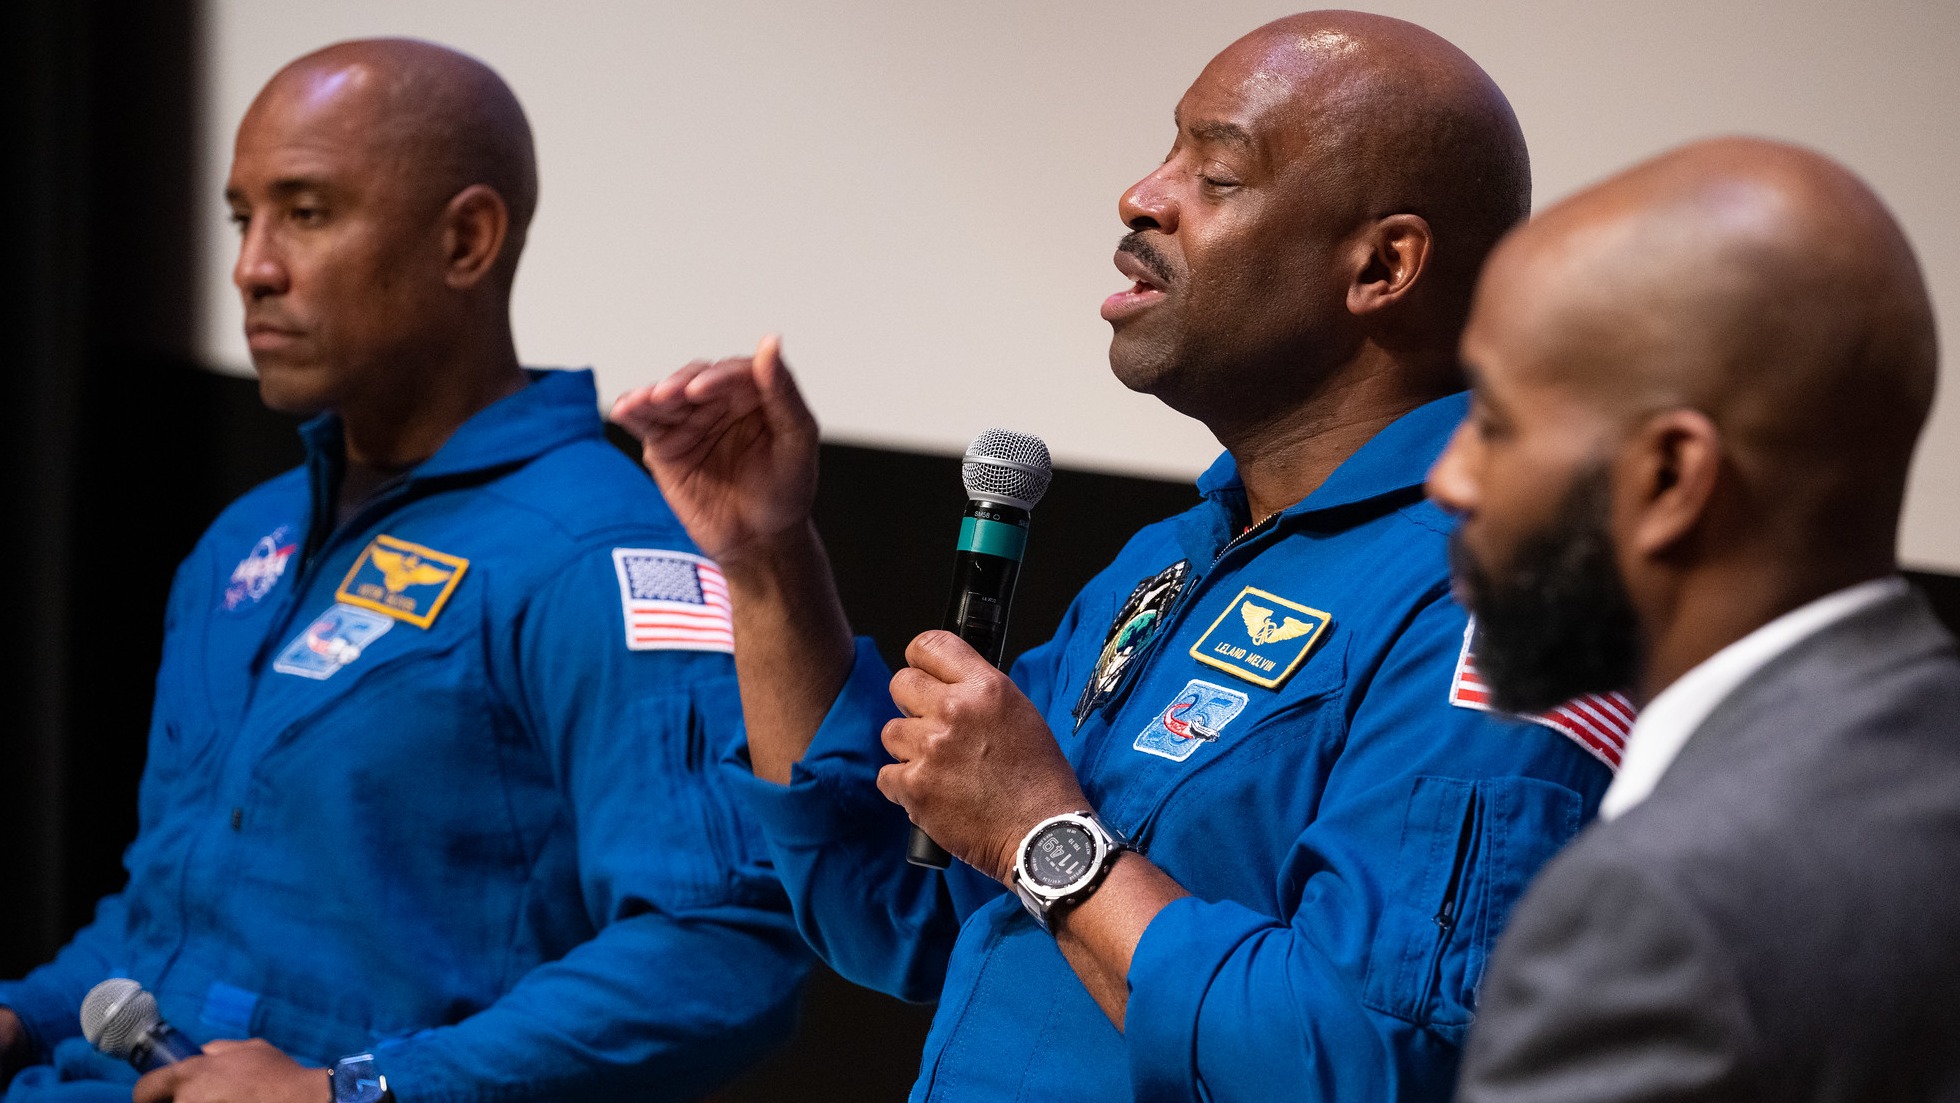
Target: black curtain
<point>107,451</point>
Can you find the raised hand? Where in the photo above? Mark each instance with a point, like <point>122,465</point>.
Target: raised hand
<point>733,447</point>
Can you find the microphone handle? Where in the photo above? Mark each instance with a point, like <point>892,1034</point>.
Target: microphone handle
<point>162,1045</point>
<point>992,538</point>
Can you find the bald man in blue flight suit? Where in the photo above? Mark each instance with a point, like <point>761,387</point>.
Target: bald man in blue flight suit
<point>432,770</point>
<point>1261,831</point>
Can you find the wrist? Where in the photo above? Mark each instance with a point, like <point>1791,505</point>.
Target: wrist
<point>765,560</point>
<point>1061,862</point>
<point>1038,808</point>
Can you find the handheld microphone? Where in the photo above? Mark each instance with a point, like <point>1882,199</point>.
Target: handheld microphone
<point>1005,475</point>
<point>121,1019</point>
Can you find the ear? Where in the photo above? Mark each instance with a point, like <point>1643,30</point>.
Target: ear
<point>474,226</point>
<point>1389,256</point>
<point>1669,469</point>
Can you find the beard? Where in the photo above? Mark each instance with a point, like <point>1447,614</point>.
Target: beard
<point>1558,623</point>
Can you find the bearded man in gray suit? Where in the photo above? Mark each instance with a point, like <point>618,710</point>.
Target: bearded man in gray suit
<point>1697,387</point>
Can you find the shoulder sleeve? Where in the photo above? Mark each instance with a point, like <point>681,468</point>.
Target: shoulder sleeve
<point>1432,819</point>
<point>1607,990</point>
<point>694,967</point>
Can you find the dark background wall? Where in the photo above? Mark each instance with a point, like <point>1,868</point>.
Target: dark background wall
<point>118,449</point>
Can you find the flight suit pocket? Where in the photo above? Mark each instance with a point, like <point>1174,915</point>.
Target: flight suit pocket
<point>706,840</point>
<point>1468,850</point>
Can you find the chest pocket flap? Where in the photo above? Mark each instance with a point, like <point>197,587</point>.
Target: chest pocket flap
<point>1468,850</point>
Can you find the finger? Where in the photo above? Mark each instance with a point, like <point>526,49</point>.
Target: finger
<point>915,692</point>
<point>782,402</point>
<point>904,739</point>
<point>638,408</point>
<point>946,657</point>
<point>160,1086</point>
<point>892,782</point>
<point>221,1045</point>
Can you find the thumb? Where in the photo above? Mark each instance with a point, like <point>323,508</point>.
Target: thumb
<point>782,402</point>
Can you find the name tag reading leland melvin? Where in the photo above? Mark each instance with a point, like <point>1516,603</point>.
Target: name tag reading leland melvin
<point>1261,637</point>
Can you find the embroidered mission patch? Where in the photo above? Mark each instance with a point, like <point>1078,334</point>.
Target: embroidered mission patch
<point>1261,637</point>
<point>334,639</point>
<point>1195,717</point>
<point>405,581</point>
<point>260,570</point>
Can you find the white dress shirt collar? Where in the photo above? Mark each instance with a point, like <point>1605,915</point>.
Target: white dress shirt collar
<point>1668,721</point>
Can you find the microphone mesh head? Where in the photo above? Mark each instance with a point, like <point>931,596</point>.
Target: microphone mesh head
<point>116,1014</point>
<point>1011,468</point>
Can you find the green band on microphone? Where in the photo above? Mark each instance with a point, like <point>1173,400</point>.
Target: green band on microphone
<point>992,538</point>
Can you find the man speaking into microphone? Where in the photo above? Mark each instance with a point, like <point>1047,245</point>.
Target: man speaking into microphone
<point>1258,829</point>
<point>429,793</point>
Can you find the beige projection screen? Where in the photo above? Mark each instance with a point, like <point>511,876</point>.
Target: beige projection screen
<point>921,195</point>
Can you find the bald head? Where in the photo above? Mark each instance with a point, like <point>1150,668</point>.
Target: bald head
<point>1697,390</point>
<point>1304,255</point>
<point>440,119</point>
<point>1401,121</point>
<point>1759,283</point>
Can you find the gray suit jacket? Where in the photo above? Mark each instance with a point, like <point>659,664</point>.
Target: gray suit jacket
<point>1779,920</point>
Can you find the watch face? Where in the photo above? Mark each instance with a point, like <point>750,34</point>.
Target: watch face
<point>1060,856</point>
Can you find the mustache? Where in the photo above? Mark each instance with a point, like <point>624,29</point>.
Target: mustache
<point>1134,244</point>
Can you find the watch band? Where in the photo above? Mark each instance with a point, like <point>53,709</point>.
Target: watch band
<point>1040,899</point>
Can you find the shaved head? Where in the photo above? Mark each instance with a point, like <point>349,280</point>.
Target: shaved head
<point>1761,284</point>
<point>1304,255</point>
<point>382,189</point>
<point>442,119</point>
<point>1732,346</point>
<point>1403,121</point>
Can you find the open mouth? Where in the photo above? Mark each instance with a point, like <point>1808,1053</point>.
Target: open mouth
<point>1144,290</point>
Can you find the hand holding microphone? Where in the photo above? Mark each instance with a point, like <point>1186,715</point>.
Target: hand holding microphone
<point>121,1019</point>
<point>1005,475</point>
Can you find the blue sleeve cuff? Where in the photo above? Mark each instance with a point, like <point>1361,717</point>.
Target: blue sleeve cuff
<point>46,1014</point>
<point>1226,1004</point>
<point>839,847</point>
<point>833,791</point>
<point>1168,981</point>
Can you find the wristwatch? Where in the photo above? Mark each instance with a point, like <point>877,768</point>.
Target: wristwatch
<point>1062,860</point>
<point>355,1080</point>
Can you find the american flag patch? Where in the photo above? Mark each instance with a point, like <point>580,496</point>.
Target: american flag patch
<point>673,601</point>
<point>1597,722</point>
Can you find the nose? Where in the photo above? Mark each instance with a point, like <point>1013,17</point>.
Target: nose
<point>260,269</point>
<point>1148,205</point>
<point>1451,484</point>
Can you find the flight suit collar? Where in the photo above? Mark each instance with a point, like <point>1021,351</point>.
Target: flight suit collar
<point>1390,467</point>
<point>557,408</point>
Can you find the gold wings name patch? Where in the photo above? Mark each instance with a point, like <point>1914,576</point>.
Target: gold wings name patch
<point>1261,637</point>
<point>406,581</point>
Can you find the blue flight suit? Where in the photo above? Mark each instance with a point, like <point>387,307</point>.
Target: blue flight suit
<point>409,789</point>
<point>1284,745</point>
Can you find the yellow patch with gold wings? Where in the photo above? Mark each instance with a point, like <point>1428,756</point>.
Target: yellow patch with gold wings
<point>1261,637</point>
<point>406,581</point>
